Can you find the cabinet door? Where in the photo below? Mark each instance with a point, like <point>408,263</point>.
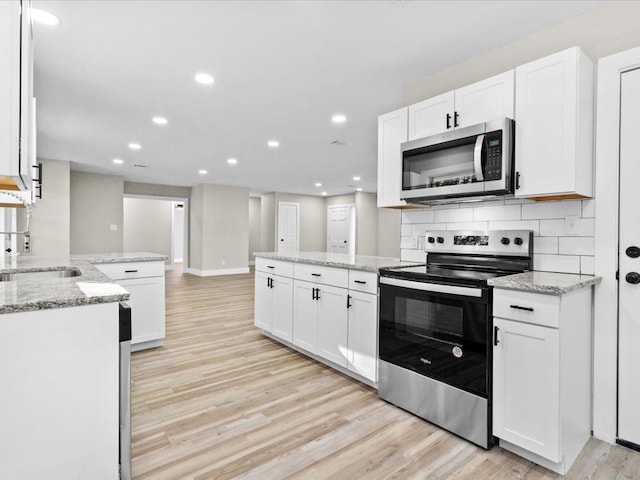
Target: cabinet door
<point>332,324</point>
<point>282,294</point>
<point>486,100</point>
<point>27,157</point>
<point>526,387</point>
<point>305,312</point>
<point>147,308</point>
<point>363,335</point>
<point>392,131</point>
<point>10,100</point>
<point>553,126</point>
<point>263,306</point>
<point>430,116</point>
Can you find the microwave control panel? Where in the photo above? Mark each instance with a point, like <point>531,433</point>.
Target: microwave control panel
<point>493,165</point>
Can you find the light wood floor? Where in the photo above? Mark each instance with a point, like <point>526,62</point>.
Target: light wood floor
<point>219,401</point>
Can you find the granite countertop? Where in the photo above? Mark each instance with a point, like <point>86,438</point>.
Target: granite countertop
<point>91,286</point>
<point>545,282</point>
<point>339,260</point>
<point>121,257</point>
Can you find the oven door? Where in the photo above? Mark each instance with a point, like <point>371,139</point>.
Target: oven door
<point>437,330</point>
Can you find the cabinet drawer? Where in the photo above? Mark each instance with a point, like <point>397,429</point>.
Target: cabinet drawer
<point>120,271</point>
<point>275,267</point>
<point>366,282</point>
<point>324,275</point>
<point>534,308</point>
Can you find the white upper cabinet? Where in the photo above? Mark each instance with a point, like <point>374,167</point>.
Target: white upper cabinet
<point>17,149</point>
<point>554,126</point>
<point>392,131</point>
<point>476,103</point>
<point>485,100</point>
<point>431,116</point>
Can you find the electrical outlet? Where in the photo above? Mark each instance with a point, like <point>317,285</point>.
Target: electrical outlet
<point>26,246</point>
<point>113,227</point>
<point>572,225</point>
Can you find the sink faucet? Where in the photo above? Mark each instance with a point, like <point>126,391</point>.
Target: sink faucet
<point>27,231</point>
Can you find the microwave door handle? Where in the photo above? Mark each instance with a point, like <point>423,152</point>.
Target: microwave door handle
<point>477,158</point>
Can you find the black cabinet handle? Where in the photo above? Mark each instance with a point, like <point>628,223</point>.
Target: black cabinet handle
<point>362,282</point>
<point>518,307</point>
<point>130,271</point>
<point>348,301</point>
<point>316,274</point>
<point>632,278</point>
<point>517,180</point>
<point>317,294</point>
<point>495,336</point>
<point>448,121</point>
<point>455,119</point>
<point>270,266</point>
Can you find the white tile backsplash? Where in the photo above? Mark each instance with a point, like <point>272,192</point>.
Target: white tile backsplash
<point>552,209</point>
<point>554,248</point>
<point>454,215</point>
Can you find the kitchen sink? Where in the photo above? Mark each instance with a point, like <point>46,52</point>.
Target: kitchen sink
<point>39,275</point>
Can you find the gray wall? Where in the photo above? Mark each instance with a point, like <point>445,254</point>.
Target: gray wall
<point>347,199</point>
<point>96,205</point>
<point>267,222</point>
<point>147,226</point>
<point>602,31</point>
<point>219,229</point>
<point>366,224</point>
<point>254,227</point>
<point>51,216</point>
<point>389,232</point>
<point>134,188</point>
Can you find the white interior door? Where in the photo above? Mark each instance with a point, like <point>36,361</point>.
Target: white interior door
<point>341,233</point>
<point>288,230</point>
<point>629,262</point>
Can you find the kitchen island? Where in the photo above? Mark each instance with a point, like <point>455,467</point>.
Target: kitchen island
<point>59,365</point>
<point>324,305</point>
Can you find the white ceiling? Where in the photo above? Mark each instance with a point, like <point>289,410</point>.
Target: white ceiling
<point>281,68</point>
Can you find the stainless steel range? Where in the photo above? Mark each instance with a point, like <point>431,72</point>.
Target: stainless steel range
<point>435,352</point>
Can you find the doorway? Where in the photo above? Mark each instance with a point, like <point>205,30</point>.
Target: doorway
<point>341,229</point>
<point>288,227</point>
<point>616,229</point>
<point>158,225</point>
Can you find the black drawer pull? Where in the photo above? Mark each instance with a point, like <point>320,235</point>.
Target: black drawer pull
<point>362,282</point>
<point>495,336</point>
<point>270,266</point>
<point>130,271</point>
<point>316,274</point>
<point>518,307</point>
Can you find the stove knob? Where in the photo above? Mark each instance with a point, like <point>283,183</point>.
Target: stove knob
<point>504,240</point>
<point>440,240</point>
<point>518,241</point>
<point>431,239</point>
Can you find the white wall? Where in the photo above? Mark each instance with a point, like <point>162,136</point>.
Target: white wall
<point>554,249</point>
<point>255,240</point>
<point>178,231</point>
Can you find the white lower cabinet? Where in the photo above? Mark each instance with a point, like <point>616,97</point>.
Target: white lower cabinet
<point>542,375</point>
<point>145,283</point>
<point>328,313</point>
<point>362,354</point>
<point>274,304</point>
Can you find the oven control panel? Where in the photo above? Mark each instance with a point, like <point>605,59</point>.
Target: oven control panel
<point>494,242</point>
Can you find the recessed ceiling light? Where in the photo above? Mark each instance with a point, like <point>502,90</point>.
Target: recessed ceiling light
<point>318,184</point>
<point>338,118</point>
<point>44,17</point>
<point>359,189</point>
<point>204,79</point>
<point>135,146</point>
<point>202,172</point>
<point>119,161</point>
<point>323,193</point>
<point>160,120</point>
<point>232,161</point>
<point>356,179</point>
<point>273,143</point>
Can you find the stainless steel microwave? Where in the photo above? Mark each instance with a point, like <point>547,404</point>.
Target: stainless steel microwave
<point>474,161</point>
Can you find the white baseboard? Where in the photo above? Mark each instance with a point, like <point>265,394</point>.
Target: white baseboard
<point>222,271</point>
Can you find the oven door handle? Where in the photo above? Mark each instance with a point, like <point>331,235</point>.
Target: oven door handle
<point>432,287</point>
